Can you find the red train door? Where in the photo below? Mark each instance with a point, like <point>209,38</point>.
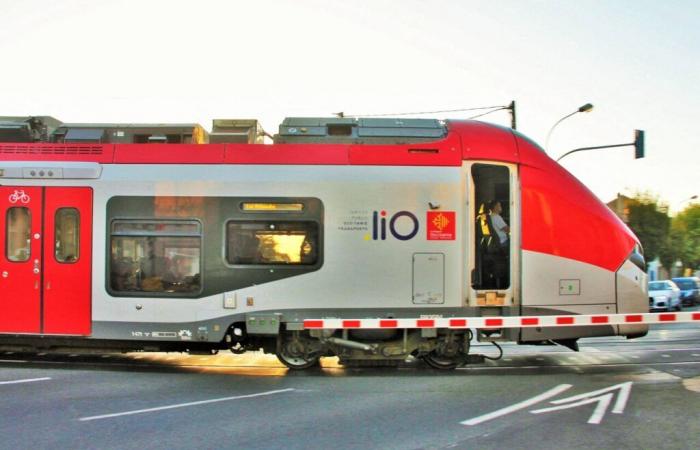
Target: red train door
<point>67,260</point>
<point>20,259</point>
<point>45,260</point>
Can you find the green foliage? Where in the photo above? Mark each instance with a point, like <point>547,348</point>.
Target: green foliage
<point>650,222</point>
<point>685,236</point>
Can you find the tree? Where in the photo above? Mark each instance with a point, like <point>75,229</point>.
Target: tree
<point>650,222</point>
<point>685,232</point>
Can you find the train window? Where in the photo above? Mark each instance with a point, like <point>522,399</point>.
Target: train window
<point>18,234</point>
<point>67,235</point>
<point>153,256</point>
<point>272,242</point>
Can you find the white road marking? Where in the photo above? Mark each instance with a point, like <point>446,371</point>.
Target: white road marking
<point>619,408</point>
<point>26,380</point>
<point>518,406</point>
<point>604,398</point>
<point>598,413</point>
<point>183,405</point>
<point>665,356</point>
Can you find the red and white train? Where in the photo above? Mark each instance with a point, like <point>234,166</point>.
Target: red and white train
<point>200,247</point>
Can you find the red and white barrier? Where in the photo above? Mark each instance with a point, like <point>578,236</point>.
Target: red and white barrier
<point>504,322</point>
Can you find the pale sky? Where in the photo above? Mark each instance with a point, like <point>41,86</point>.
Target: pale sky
<point>637,61</point>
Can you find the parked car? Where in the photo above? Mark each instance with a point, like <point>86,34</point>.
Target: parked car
<point>664,295</point>
<point>690,290</point>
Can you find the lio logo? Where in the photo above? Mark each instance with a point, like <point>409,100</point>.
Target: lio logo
<point>402,225</point>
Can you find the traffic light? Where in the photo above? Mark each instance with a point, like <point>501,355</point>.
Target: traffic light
<point>638,144</point>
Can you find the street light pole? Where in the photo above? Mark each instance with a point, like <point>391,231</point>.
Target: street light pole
<point>638,146</point>
<point>583,108</point>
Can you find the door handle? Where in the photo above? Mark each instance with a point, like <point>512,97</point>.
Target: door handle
<point>36,266</point>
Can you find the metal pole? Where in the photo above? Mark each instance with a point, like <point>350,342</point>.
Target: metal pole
<point>513,122</point>
<point>592,148</point>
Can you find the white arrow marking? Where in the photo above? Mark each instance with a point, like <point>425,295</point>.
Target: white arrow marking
<point>598,413</point>
<point>619,408</point>
<point>518,406</point>
<point>602,396</point>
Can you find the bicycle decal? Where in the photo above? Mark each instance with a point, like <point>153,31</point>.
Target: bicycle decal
<point>19,196</point>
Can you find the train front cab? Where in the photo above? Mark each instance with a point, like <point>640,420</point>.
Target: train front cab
<point>45,260</point>
<point>566,253</point>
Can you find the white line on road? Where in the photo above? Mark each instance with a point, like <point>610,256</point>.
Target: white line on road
<point>26,380</point>
<point>518,406</point>
<point>182,405</point>
<point>598,414</point>
<point>619,408</point>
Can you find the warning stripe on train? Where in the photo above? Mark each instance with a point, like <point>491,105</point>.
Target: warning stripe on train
<point>505,322</point>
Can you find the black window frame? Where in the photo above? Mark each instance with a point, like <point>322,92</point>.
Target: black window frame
<point>7,235</point>
<point>139,233</point>
<point>318,261</point>
<point>55,237</point>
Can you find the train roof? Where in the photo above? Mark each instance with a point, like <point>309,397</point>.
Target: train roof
<point>460,140</point>
<point>129,125</point>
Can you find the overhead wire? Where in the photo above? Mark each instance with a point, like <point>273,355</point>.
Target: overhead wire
<point>494,108</point>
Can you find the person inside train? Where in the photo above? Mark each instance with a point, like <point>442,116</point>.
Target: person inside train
<point>499,225</point>
<point>502,253</point>
<point>486,249</point>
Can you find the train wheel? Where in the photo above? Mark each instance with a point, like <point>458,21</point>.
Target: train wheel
<point>298,362</point>
<point>442,362</point>
<point>295,355</point>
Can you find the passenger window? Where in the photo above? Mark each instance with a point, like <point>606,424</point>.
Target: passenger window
<point>156,256</point>
<point>67,235</point>
<point>18,234</point>
<point>272,242</point>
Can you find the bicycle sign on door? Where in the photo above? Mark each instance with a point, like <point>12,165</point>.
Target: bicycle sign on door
<point>19,196</point>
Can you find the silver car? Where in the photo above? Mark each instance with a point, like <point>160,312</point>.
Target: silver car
<point>664,295</point>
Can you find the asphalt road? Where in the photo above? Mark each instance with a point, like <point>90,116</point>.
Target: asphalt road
<point>613,394</point>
